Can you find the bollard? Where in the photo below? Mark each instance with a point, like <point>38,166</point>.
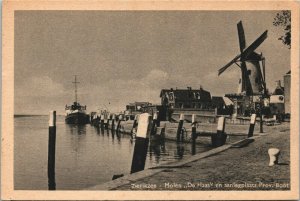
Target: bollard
<point>194,134</point>
<point>252,125</point>
<point>154,124</point>
<point>274,155</point>
<point>141,143</point>
<point>51,151</point>
<point>113,122</point>
<point>179,128</point>
<point>219,139</point>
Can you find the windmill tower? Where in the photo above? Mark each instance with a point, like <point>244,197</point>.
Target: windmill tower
<point>252,82</point>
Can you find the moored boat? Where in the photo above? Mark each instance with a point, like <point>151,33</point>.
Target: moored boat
<point>76,113</point>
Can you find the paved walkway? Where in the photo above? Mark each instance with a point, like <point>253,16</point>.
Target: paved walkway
<point>231,169</point>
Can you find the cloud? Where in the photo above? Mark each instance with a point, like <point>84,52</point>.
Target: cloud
<point>40,86</point>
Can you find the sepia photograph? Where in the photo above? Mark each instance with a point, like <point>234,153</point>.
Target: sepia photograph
<point>161,100</point>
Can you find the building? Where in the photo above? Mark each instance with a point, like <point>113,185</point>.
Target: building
<point>185,98</point>
<point>186,101</point>
<point>136,108</point>
<point>277,100</point>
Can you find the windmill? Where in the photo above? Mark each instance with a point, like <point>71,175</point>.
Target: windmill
<point>252,81</point>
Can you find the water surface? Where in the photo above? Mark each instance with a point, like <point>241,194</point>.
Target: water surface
<point>85,156</point>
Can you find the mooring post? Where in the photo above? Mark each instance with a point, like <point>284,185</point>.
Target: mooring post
<point>154,124</point>
<point>134,125</point>
<point>141,143</point>
<point>261,130</point>
<point>119,122</point>
<point>113,122</point>
<point>252,125</point>
<point>51,151</point>
<point>107,121</point>
<point>179,128</point>
<point>194,134</point>
<point>219,139</point>
<point>102,121</point>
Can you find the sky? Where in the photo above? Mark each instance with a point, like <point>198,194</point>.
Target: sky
<point>126,56</point>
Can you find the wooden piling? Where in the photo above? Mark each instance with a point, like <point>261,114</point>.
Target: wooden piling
<point>261,129</point>
<point>141,143</point>
<point>261,102</point>
<point>102,121</point>
<point>219,139</point>
<point>119,122</point>
<point>107,121</point>
<point>194,134</point>
<point>154,124</point>
<point>179,128</point>
<point>252,125</point>
<point>134,125</point>
<point>51,151</point>
<point>113,122</point>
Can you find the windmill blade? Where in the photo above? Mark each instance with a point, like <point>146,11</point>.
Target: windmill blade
<point>255,44</point>
<point>221,70</point>
<point>241,34</point>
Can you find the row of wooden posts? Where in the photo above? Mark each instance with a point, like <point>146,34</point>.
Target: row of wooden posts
<point>145,126</point>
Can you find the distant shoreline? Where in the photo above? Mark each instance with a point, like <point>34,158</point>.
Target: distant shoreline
<point>31,115</point>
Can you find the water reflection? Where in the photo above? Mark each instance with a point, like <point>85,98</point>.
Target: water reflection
<point>76,129</point>
<point>78,134</point>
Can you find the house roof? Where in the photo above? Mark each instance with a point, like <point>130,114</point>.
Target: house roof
<point>217,100</point>
<point>221,100</point>
<point>186,93</point>
<point>139,104</point>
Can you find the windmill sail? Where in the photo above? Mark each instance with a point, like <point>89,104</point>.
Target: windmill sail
<point>255,45</point>
<point>242,40</point>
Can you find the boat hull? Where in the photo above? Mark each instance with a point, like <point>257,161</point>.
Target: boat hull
<point>77,118</point>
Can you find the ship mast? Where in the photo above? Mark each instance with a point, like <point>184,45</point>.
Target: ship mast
<point>75,83</point>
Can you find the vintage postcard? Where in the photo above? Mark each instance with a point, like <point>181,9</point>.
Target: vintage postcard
<point>146,100</point>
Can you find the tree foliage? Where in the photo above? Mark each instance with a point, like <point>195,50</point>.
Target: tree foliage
<point>283,19</point>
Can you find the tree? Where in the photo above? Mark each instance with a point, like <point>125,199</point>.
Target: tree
<point>283,19</point>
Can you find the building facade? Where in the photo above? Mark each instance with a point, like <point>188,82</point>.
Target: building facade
<point>185,98</point>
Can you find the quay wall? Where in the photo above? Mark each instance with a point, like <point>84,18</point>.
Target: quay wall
<point>231,129</point>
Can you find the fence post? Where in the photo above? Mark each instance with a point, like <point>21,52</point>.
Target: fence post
<point>51,151</point>
<point>141,143</point>
<point>252,125</point>
<point>179,128</point>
